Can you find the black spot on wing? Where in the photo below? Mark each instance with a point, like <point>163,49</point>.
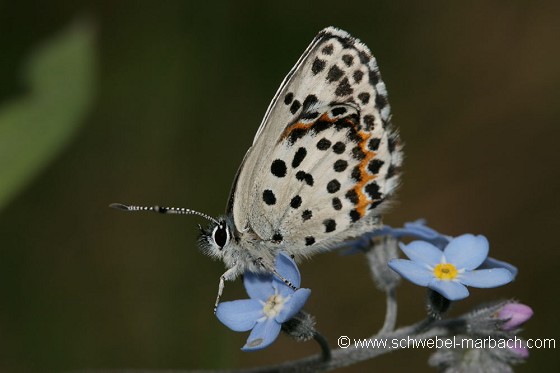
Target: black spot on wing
<point>323,144</point>
<point>348,60</point>
<point>288,98</point>
<point>352,196</point>
<point>306,215</point>
<point>353,136</point>
<point>330,225</point>
<point>339,110</point>
<point>373,144</point>
<point>374,77</point>
<point>304,176</point>
<point>320,125</point>
<point>356,174</point>
<point>364,97</point>
<point>299,157</point>
<point>333,186</point>
<point>296,202</point>
<point>309,100</point>
<point>318,66</point>
<point>295,106</point>
<point>339,147</point>
<point>334,73</point>
<point>364,57</point>
<point>369,120</point>
<point>380,101</point>
<point>372,189</point>
<point>328,49</point>
<point>344,88</point>
<point>337,203</point>
<point>354,216</point>
<point>375,165</point>
<point>268,197</point>
<point>358,153</point>
<point>340,165</point>
<point>278,168</point>
<point>296,134</point>
<point>358,75</point>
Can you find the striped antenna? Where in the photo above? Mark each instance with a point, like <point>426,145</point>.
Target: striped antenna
<point>162,210</point>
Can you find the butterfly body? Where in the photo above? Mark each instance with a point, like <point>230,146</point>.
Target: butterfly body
<point>322,166</point>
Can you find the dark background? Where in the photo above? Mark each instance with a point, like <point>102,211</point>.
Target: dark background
<point>181,90</point>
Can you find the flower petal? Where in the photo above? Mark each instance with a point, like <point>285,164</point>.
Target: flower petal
<point>240,315</point>
<point>419,229</point>
<point>258,285</point>
<point>293,305</point>
<point>490,263</point>
<point>486,278</point>
<point>286,267</point>
<point>422,252</point>
<point>451,290</point>
<point>262,335</point>
<point>412,271</point>
<point>467,251</point>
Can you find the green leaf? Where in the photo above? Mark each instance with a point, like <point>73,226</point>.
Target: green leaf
<point>36,127</point>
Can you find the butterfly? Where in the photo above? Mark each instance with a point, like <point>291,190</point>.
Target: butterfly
<point>322,167</point>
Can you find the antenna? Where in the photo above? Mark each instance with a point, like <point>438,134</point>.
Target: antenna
<point>162,210</point>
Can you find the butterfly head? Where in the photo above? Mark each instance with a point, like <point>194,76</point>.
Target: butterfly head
<point>214,238</point>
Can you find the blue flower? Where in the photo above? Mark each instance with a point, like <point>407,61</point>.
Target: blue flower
<point>419,230</point>
<point>272,303</point>
<point>451,271</point>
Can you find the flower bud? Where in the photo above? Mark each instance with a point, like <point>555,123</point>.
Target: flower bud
<point>514,315</point>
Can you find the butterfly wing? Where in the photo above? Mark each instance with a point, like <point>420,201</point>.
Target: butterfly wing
<point>325,157</point>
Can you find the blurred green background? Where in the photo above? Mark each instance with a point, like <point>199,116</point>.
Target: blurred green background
<point>144,111</point>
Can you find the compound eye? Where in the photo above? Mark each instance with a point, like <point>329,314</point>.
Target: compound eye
<point>221,235</point>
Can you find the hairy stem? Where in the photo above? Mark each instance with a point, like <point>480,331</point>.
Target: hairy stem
<point>340,357</point>
<point>390,314</point>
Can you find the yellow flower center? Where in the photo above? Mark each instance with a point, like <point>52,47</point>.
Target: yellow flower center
<point>273,305</point>
<point>445,271</point>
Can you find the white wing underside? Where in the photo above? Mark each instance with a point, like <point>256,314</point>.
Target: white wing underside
<point>333,93</point>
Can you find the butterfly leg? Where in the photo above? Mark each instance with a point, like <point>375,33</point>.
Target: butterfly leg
<point>271,268</point>
<point>228,275</point>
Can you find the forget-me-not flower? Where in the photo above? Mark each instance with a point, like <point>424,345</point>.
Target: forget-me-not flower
<point>272,303</point>
<point>450,271</point>
<point>420,231</point>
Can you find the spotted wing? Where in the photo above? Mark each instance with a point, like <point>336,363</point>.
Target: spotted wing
<point>325,157</point>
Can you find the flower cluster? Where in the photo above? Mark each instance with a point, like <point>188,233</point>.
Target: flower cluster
<point>446,265</point>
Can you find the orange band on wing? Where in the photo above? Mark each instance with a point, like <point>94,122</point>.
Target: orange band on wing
<point>294,131</point>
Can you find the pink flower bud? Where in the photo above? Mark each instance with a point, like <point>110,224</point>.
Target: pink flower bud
<point>514,314</point>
